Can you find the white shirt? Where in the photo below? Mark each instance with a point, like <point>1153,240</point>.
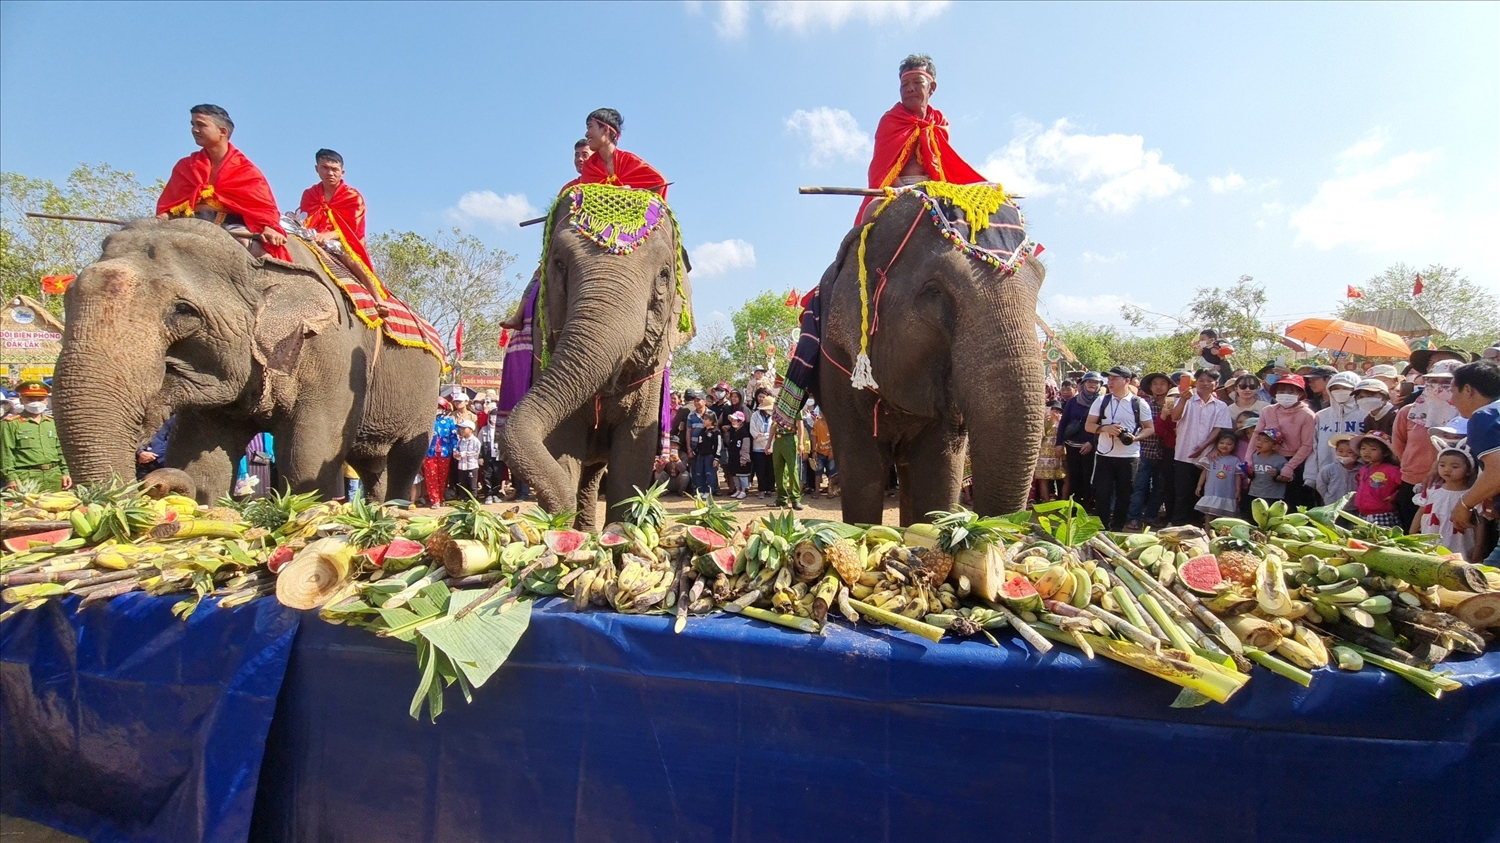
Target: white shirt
<point>760,431</point>
<point>466,453</point>
<point>1199,418</point>
<point>1123,412</point>
<point>1330,421</point>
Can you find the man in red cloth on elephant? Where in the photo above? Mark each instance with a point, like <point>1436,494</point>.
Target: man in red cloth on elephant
<point>336,212</point>
<point>911,142</point>
<point>219,184</point>
<point>611,165</point>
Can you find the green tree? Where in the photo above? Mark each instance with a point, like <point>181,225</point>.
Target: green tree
<point>1237,312</point>
<point>1100,347</point>
<point>31,247</point>
<point>1465,314</point>
<point>768,313</point>
<point>450,278</point>
<point>709,359</point>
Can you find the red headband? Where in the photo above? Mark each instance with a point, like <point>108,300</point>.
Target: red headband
<point>920,71</point>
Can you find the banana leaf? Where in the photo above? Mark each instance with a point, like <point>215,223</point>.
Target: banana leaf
<point>483,639</point>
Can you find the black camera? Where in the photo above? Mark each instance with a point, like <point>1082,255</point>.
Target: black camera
<point>1126,437</point>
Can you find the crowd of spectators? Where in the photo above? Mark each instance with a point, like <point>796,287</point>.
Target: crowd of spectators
<point>1186,447</point>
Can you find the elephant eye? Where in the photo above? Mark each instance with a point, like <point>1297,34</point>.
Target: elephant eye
<point>182,308</point>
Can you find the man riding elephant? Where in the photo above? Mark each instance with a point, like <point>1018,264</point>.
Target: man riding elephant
<point>219,184</point>
<point>911,140</point>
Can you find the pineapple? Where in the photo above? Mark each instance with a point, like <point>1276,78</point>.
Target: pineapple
<point>644,509</point>
<point>713,515</point>
<point>1238,560</point>
<point>373,525</point>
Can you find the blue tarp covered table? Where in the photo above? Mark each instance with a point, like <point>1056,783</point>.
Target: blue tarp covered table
<point>605,727</point>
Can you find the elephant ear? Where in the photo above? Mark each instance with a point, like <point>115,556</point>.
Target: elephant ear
<point>293,308</point>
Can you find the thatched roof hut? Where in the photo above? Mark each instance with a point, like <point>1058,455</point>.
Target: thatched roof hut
<point>1402,321</point>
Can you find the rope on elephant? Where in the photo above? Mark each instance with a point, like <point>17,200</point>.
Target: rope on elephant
<point>618,220</point>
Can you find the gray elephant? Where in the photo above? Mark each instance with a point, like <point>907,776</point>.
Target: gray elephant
<point>610,322</point>
<point>178,317</point>
<point>956,358</point>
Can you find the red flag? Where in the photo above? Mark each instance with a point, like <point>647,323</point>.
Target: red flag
<point>504,337</point>
<point>1039,249</point>
<point>762,333</point>
<point>458,341</point>
<point>1354,292</point>
<point>1416,289</point>
<point>791,298</point>
<point>56,285</point>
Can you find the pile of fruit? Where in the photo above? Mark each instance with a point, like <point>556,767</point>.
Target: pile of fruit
<point>1290,591</point>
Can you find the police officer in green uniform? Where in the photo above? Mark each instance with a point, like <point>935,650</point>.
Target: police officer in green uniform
<point>29,449</point>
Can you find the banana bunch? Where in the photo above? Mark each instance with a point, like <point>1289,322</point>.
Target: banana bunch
<point>1336,593</point>
<point>593,586</point>
<point>969,620</point>
<point>120,522</point>
<point>893,586</point>
<point>1274,519</point>
<point>765,551</point>
<point>1060,575</point>
<point>54,502</point>
<point>641,586</point>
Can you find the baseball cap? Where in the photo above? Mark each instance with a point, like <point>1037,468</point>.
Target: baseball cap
<point>1347,380</point>
<point>1291,380</point>
<point>1373,385</point>
<point>1121,372</point>
<point>1322,372</point>
<point>1093,376</point>
<point>1384,370</point>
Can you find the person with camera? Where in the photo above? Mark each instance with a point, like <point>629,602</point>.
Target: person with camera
<point>1074,444</point>
<point>1121,420</point>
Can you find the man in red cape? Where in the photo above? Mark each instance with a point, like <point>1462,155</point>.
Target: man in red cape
<point>219,184</point>
<point>911,142</point>
<point>611,165</point>
<point>336,211</point>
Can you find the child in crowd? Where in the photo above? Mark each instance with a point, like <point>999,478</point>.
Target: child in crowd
<point>671,471</point>
<point>1455,474</point>
<point>466,458</point>
<point>706,456</point>
<point>1265,467</point>
<point>737,446</point>
<point>1244,426</point>
<point>1049,466</point>
<point>1341,475</point>
<point>1379,480</point>
<point>1219,484</point>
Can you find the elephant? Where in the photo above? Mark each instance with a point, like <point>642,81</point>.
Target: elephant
<point>958,365</point>
<point>611,322</point>
<point>178,317</point>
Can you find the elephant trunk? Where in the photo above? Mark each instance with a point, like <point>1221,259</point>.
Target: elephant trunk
<point>590,350</point>
<point>1002,398</point>
<point>111,366</point>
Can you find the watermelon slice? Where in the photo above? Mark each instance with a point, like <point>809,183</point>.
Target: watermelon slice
<point>563,542</point>
<point>21,544</point>
<point>279,557</point>
<point>1202,575</point>
<point>614,537</point>
<point>401,554</point>
<point>374,555</point>
<point>725,560</point>
<point>704,540</point>
<point>1020,595</point>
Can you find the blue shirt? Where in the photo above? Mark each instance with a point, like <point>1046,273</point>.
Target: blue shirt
<point>1484,431</point>
<point>444,434</point>
<point>695,430</point>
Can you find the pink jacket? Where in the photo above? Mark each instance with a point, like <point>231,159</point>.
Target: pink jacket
<point>1413,446</point>
<point>1298,427</point>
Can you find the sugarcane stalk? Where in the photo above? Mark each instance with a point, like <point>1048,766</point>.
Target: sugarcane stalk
<point>1174,632</point>
<point>1126,628</point>
<point>8,578</point>
<point>23,607</point>
<point>1278,665</point>
<point>684,585</point>
<point>22,528</point>
<point>90,576</point>
<point>475,580</point>
<point>1431,683</point>
<point>789,621</point>
<point>1069,625</point>
<point>1133,613</point>
<point>1210,621</point>
<point>915,627</point>
<point>545,561</point>
<point>1022,628</point>
<point>1192,671</point>
<point>111,591</point>
<point>744,600</point>
<point>1122,581</point>
<point>1367,640</point>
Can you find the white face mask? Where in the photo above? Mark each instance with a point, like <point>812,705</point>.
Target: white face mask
<point>1345,461</point>
<point>1371,404</point>
<point>35,408</point>
<point>1287,399</point>
<point>1340,396</point>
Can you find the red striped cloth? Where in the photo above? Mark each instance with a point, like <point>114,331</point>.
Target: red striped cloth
<point>400,322</point>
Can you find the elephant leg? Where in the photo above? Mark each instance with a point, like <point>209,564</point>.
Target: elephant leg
<point>631,453</point>
<point>208,448</point>
<point>588,498</point>
<point>864,466</point>
<point>403,465</point>
<point>310,454</point>
<point>931,472</point>
<point>372,475</point>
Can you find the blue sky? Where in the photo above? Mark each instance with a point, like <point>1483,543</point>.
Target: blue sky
<point>1163,147</point>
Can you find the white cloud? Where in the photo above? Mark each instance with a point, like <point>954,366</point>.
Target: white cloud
<point>804,17</point>
<point>1371,202</point>
<point>1095,257</point>
<point>710,259</point>
<point>733,17</point>
<point>832,134</point>
<point>1117,170</point>
<point>1226,183</point>
<point>1102,309</point>
<point>500,211</point>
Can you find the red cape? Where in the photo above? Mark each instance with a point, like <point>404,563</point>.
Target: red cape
<point>344,214</point>
<point>630,171</point>
<point>240,187</point>
<point>902,133</point>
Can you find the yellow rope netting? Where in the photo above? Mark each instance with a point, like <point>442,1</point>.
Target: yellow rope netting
<point>977,201</point>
